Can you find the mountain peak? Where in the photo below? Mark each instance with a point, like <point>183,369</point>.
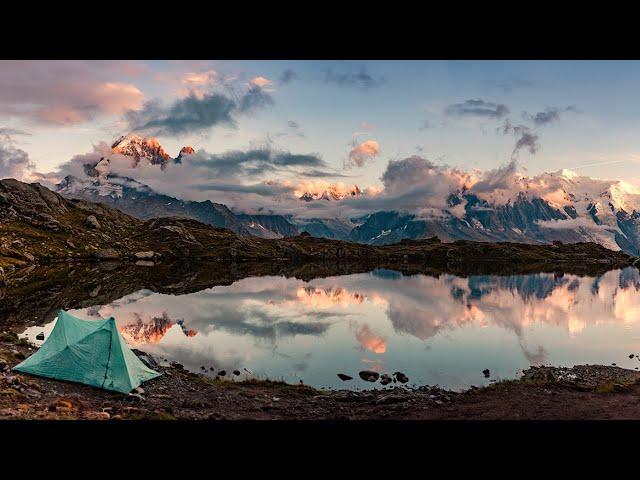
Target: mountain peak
<point>331,192</point>
<point>183,152</point>
<point>139,147</point>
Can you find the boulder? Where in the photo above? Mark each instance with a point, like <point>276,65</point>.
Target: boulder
<point>369,375</point>
<point>92,222</point>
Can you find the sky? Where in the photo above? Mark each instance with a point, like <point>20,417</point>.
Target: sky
<point>354,117</point>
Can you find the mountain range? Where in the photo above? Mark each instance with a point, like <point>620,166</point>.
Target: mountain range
<point>586,210</point>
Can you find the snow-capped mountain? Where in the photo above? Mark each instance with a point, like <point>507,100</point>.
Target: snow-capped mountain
<point>332,192</point>
<point>144,149</point>
<point>134,198</point>
<point>560,206</point>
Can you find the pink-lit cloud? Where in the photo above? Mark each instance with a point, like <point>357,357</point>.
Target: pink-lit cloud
<point>66,92</point>
<point>363,152</point>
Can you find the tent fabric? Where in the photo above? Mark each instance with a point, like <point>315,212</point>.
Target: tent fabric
<point>88,351</point>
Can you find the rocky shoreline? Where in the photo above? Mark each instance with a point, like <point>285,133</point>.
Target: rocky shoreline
<point>582,392</point>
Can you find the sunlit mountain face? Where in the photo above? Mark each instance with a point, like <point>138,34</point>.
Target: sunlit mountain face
<point>443,330</point>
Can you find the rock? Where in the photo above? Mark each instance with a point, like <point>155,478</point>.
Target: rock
<point>177,365</point>
<point>146,358</point>
<point>486,372</point>
<point>631,356</point>
<point>344,377</point>
<point>92,222</point>
<point>19,355</point>
<point>369,375</point>
<point>40,336</point>
<point>401,377</point>
<point>108,254</point>
<point>149,255</point>
<point>236,372</point>
<point>139,390</point>
<point>222,373</point>
<point>136,396</point>
<point>202,368</point>
<point>385,379</point>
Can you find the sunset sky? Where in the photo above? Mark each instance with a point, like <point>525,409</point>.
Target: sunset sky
<point>354,115</point>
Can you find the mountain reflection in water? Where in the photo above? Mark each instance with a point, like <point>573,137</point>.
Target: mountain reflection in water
<point>443,330</point>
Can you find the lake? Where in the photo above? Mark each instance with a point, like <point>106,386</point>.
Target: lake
<point>441,330</point>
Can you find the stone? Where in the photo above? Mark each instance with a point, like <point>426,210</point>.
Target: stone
<point>40,336</point>
<point>344,377</point>
<point>92,222</point>
<point>369,375</point>
<point>401,377</point>
<point>486,372</point>
<point>385,379</point>
<point>149,255</point>
<point>236,372</point>
<point>222,373</point>
<point>631,356</point>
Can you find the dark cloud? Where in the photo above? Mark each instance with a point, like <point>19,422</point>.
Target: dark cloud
<point>549,115</point>
<point>358,79</point>
<point>196,113</point>
<point>287,76</point>
<point>525,138</point>
<point>254,162</point>
<point>186,115</point>
<point>255,99</point>
<point>477,108</point>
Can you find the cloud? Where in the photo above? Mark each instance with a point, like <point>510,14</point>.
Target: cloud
<point>363,152</point>
<point>186,115</point>
<point>255,99</point>
<point>549,115</point>
<point>287,76</point>
<point>525,138</point>
<point>260,82</point>
<point>7,133</point>
<point>477,108</point>
<point>65,92</point>
<point>360,78</point>
<point>14,162</point>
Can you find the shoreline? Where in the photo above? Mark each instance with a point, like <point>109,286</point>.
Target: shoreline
<point>543,393</point>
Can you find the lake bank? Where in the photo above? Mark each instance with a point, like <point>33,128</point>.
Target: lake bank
<point>582,392</point>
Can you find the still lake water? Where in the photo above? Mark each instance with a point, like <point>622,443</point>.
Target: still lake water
<point>438,331</point>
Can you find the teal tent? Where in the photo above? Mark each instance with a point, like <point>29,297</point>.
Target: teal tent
<point>90,352</point>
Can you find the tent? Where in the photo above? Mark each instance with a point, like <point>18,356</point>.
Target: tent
<point>90,352</point>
